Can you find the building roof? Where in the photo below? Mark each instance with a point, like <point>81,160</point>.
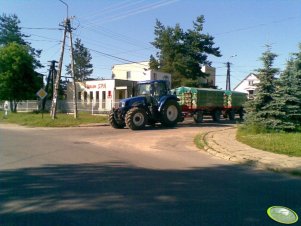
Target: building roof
<point>142,63</point>
<point>245,79</point>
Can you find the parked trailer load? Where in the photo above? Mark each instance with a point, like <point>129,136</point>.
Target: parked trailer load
<point>198,102</point>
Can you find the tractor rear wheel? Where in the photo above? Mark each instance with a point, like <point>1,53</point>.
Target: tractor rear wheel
<point>136,118</point>
<point>115,123</point>
<point>170,113</point>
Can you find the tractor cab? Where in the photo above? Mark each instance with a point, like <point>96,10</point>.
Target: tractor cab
<point>152,91</point>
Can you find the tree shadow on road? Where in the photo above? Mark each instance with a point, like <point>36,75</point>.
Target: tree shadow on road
<point>116,193</point>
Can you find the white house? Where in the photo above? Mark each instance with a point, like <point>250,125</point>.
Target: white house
<point>247,85</point>
<point>102,94</point>
<point>211,71</point>
<point>138,72</point>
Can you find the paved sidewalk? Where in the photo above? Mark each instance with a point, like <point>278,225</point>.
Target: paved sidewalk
<point>223,144</point>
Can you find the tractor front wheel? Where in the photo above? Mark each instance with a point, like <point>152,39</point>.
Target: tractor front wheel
<point>136,118</point>
<point>170,113</point>
<point>115,123</point>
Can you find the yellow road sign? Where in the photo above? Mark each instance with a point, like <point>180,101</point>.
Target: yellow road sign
<point>41,93</point>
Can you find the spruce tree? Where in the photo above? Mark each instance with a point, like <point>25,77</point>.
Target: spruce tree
<point>265,109</point>
<point>83,69</point>
<point>297,84</point>
<point>287,90</point>
<point>290,88</point>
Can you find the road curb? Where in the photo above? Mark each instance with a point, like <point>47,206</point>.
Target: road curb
<point>216,149</point>
<point>94,125</point>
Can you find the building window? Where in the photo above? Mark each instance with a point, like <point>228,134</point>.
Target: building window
<point>85,96</point>
<point>103,98</point>
<point>97,95</point>
<point>251,82</point>
<point>251,94</point>
<point>128,75</point>
<point>155,76</point>
<point>91,95</point>
<point>79,95</point>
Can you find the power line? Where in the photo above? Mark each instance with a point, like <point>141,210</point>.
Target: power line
<point>112,47</point>
<point>115,57</point>
<point>112,34</point>
<point>110,8</point>
<point>41,28</point>
<point>40,36</point>
<point>131,9</point>
<point>256,26</point>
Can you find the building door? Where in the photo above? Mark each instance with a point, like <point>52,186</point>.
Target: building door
<point>120,94</point>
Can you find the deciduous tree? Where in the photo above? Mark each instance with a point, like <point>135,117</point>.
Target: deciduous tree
<point>10,31</point>
<point>18,80</point>
<point>183,53</point>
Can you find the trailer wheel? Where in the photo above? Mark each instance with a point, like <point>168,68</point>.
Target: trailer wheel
<point>241,114</point>
<point>198,117</point>
<point>170,113</point>
<point>216,115</point>
<point>231,115</point>
<point>115,123</point>
<point>135,118</point>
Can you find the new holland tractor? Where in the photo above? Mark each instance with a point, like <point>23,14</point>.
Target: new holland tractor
<point>152,103</point>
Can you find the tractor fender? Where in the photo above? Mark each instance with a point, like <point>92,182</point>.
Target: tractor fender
<point>165,99</point>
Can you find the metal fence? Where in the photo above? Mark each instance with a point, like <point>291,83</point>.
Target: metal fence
<point>64,106</point>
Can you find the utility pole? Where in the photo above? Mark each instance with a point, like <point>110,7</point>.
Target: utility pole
<point>67,28</point>
<point>58,76</point>
<point>72,71</point>
<point>228,81</point>
<point>50,81</point>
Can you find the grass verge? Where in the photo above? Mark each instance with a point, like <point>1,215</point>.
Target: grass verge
<point>198,141</point>
<point>280,143</point>
<point>62,120</point>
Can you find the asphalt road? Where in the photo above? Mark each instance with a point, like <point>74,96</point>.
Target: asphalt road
<point>103,176</point>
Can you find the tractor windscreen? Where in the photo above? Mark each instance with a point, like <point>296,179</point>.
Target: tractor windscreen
<point>156,89</point>
<point>143,89</point>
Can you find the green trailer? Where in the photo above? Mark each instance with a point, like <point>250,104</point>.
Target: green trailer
<point>201,101</point>
<point>234,99</point>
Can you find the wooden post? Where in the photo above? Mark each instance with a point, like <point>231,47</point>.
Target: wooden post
<point>58,77</point>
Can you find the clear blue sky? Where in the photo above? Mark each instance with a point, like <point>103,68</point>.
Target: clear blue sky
<point>125,28</point>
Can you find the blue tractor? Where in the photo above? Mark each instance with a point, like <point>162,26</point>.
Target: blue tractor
<point>152,103</point>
